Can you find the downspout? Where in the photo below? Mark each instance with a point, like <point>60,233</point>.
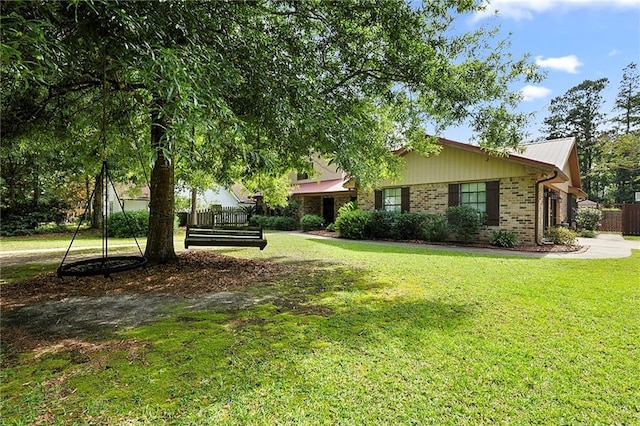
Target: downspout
<point>555,175</point>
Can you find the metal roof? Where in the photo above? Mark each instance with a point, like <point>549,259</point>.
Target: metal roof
<point>553,151</point>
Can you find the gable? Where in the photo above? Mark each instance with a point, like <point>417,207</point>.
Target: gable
<point>456,165</point>
<point>322,171</point>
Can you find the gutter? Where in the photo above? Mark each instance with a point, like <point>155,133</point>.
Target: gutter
<point>555,175</point>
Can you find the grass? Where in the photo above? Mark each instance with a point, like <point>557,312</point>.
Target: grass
<point>366,334</point>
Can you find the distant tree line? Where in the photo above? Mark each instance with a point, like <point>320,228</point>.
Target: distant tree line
<point>608,147</point>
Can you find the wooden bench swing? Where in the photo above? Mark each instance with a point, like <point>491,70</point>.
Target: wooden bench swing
<point>224,236</point>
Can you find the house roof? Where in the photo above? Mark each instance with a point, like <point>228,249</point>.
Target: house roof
<point>241,193</point>
<point>546,155</point>
<point>333,185</point>
<point>553,151</point>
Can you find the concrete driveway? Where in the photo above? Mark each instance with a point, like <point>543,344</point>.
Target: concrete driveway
<point>604,246</point>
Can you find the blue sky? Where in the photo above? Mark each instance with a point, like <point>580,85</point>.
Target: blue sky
<point>572,40</point>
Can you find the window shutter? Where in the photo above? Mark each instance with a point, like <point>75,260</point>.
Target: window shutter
<point>454,194</point>
<point>493,203</point>
<point>571,204</point>
<point>378,199</point>
<point>405,202</point>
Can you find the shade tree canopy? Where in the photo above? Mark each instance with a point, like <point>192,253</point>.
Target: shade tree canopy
<point>248,90</point>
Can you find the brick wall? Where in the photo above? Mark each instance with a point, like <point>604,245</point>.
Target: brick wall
<point>312,204</point>
<point>517,205</point>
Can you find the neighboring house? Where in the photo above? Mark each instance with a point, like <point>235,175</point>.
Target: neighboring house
<point>133,198</point>
<point>322,193</point>
<point>232,197</point>
<point>588,203</point>
<point>524,193</point>
<point>235,196</point>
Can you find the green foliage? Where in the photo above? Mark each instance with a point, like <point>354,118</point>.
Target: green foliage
<point>585,233</point>
<point>561,235</point>
<point>24,219</point>
<point>331,227</point>
<point>409,226</point>
<point>290,209</point>
<point>354,224</point>
<point>311,222</point>
<point>578,113</point>
<point>348,207</point>
<point>435,228</point>
<point>504,238</point>
<point>182,203</point>
<point>280,223</point>
<point>129,224</point>
<point>380,225</point>
<point>245,91</point>
<point>464,222</point>
<point>588,218</point>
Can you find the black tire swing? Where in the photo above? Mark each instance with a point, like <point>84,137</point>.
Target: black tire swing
<point>104,265</point>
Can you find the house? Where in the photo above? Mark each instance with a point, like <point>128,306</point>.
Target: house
<point>524,193</point>
<point>322,193</point>
<point>227,197</point>
<point>131,198</point>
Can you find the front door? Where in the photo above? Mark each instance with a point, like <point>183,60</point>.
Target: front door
<point>327,210</point>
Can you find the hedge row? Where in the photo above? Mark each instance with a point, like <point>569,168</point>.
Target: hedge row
<point>461,223</point>
<point>280,223</point>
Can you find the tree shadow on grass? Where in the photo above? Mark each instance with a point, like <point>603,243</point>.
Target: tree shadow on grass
<point>254,343</point>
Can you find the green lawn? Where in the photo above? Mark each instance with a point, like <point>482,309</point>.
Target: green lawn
<point>365,334</point>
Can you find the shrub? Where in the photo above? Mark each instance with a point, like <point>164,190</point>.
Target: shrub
<point>586,233</point>
<point>331,227</point>
<point>380,224</point>
<point>279,223</point>
<point>353,224</point>
<point>464,222</point>
<point>435,228</point>
<point>130,224</point>
<point>347,207</point>
<point>408,226</point>
<point>561,235</point>
<point>311,222</point>
<point>23,219</point>
<point>504,239</point>
<point>588,218</point>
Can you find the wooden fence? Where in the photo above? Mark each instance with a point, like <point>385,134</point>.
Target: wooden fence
<point>626,220</point>
<point>220,216</point>
<point>631,219</point>
<point>611,221</point>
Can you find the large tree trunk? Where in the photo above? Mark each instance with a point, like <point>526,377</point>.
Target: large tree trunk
<point>161,207</point>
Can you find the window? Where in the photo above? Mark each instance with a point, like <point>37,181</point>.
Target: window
<point>303,176</point>
<point>392,200</point>
<point>482,196</point>
<point>474,195</point>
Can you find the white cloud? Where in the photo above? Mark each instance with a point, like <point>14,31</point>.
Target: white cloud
<point>525,9</point>
<point>614,52</point>
<point>530,93</point>
<point>568,64</point>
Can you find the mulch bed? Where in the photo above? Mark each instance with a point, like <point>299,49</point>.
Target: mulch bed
<point>195,272</point>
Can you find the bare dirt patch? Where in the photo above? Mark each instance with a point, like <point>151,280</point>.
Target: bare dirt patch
<point>197,272</point>
<point>44,313</point>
